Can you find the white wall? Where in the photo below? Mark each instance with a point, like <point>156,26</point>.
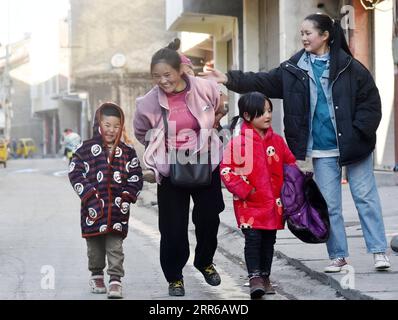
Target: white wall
<point>251,35</point>
<point>384,73</point>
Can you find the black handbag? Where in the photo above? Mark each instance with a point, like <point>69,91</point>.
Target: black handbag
<point>189,173</point>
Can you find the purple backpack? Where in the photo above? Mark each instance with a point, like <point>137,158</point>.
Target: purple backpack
<point>305,209</point>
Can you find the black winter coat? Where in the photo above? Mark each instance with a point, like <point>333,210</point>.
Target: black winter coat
<point>356,102</point>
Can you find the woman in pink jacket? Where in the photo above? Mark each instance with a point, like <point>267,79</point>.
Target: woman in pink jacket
<point>189,104</point>
<point>252,170</point>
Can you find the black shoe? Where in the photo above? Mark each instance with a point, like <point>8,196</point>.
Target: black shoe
<point>176,288</point>
<point>211,275</point>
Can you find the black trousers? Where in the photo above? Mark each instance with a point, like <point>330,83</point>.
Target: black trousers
<point>173,205</point>
<point>259,251</point>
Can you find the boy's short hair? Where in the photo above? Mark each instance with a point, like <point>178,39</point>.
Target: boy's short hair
<point>253,103</point>
<point>110,109</point>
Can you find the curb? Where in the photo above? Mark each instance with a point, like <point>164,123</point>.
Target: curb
<point>350,294</point>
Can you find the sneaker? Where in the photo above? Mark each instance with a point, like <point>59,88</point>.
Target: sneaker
<point>211,275</point>
<point>97,284</point>
<point>381,261</point>
<point>269,289</point>
<point>335,265</point>
<point>257,289</point>
<point>115,290</point>
<point>176,288</point>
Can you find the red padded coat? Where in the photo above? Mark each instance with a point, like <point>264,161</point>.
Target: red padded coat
<point>252,163</point>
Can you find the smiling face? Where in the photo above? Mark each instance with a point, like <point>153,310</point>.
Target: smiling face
<point>263,122</point>
<point>168,78</point>
<point>313,41</point>
<point>110,127</point>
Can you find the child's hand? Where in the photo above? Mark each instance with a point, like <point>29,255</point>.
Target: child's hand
<point>149,176</point>
<point>95,206</point>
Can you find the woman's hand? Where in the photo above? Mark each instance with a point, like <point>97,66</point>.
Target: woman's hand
<point>214,74</point>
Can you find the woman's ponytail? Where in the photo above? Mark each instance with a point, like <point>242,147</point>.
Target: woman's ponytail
<point>338,39</point>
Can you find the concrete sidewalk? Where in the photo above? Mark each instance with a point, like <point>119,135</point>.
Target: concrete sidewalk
<point>359,280</point>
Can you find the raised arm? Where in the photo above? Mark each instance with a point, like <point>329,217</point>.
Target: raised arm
<point>268,83</point>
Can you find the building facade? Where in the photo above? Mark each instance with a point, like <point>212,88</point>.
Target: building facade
<point>22,123</point>
<point>112,43</point>
<point>256,35</point>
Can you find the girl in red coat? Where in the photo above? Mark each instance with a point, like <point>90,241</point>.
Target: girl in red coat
<point>252,170</point>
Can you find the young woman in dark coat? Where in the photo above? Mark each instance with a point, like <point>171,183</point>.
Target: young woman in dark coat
<point>332,109</point>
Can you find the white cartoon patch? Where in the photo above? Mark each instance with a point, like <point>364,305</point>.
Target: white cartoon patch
<point>118,152</point>
<point>138,193</point>
<point>72,167</point>
<point>103,228</point>
<point>117,226</point>
<point>271,153</point>
<point>118,201</point>
<point>124,222</point>
<point>125,207</point>
<point>134,163</point>
<point>134,179</point>
<point>89,222</point>
<point>86,167</point>
<point>128,166</point>
<point>117,177</point>
<point>79,146</point>
<point>226,171</point>
<point>79,188</point>
<point>92,213</point>
<point>96,150</point>
<point>102,203</point>
<point>245,179</point>
<point>280,206</point>
<point>246,224</point>
<point>100,176</point>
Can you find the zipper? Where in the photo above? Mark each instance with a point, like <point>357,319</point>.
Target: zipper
<point>298,69</point>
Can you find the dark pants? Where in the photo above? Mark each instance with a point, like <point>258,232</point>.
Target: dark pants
<point>259,251</point>
<point>173,205</point>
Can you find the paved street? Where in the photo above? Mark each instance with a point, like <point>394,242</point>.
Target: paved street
<point>42,229</point>
<point>40,238</point>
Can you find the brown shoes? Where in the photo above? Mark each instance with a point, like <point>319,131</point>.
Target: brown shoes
<point>260,286</point>
<point>269,289</point>
<point>257,289</point>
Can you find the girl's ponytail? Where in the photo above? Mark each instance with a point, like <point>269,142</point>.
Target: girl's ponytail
<point>234,122</point>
